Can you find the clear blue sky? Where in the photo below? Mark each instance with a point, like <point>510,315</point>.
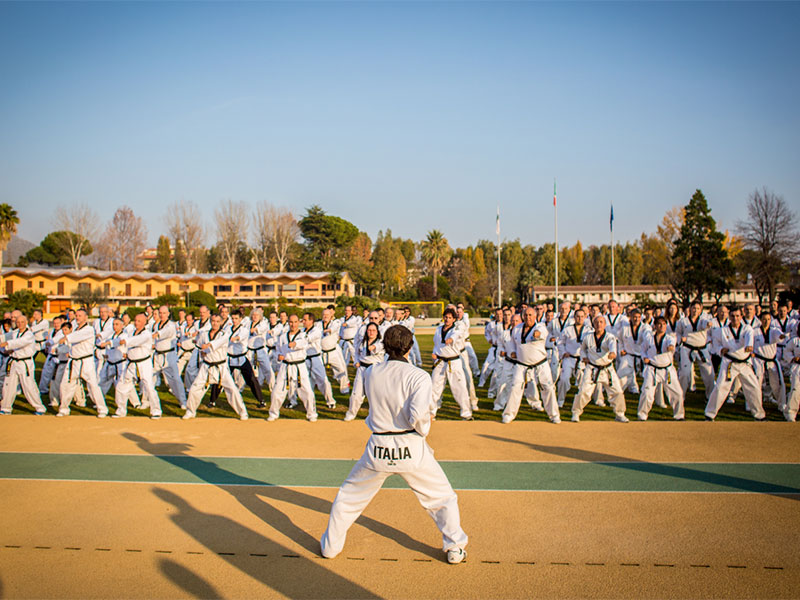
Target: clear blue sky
<point>407,115</point>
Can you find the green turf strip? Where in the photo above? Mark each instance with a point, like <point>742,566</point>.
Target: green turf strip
<point>533,476</point>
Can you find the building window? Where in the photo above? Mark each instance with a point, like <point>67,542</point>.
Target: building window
<point>184,288</point>
<point>148,290</point>
<point>60,288</point>
<point>200,287</point>
<point>291,287</point>
<point>246,288</point>
<point>267,287</point>
<point>339,286</point>
<point>106,289</point>
<point>9,287</point>
<point>85,286</point>
<point>41,284</point>
<point>30,283</point>
<point>127,289</point>
<point>221,288</point>
<point>168,289</point>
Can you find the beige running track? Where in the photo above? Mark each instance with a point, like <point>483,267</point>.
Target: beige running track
<point>140,525</point>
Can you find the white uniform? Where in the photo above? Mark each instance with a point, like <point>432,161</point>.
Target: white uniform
<point>465,362</point>
<point>399,416</point>
<point>531,368</point>
<point>50,364</point>
<point>194,363</point>
<point>505,373</point>
<point>365,358</point>
<point>114,367</point>
<point>271,340</point>
<point>103,331</point>
<point>788,329</point>
<point>695,350</point>
<point>555,328</point>
<point>214,369</point>
<point>791,354</point>
<point>630,364</point>
<point>21,349</point>
<point>736,365</point>
<point>139,353</point>
<point>81,366</point>
<point>292,373</point>
<point>448,367</point>
<point>41,333</point>
<point>570,342</point>
<point>491,356</point>
<point>659,370</point>
<point>347,334</point>
<point>766,363</point>
<point>259,352</point>
<point>332,353</point>
<point>599,371</point>
<point>186,346</point>
<point>316,368</point>
<point>471,356</point>
<point>61,354</point>
<point>165,359</point>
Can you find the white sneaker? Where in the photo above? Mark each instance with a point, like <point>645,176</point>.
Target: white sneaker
<point>506,420</point>
<point>331,406</point>
<point>271,418</point>
<point>155,417</point>
<point>555,420</point>
<point>456,555</point>
<point>187,416</point>
<point>621,419</point>
<point>312,419</point>
<point>244,417</point>
<point>348,417</point>
<point>575,419</point>
<point>116,416</point>
<point>102,415</point>
<point>62,413</point>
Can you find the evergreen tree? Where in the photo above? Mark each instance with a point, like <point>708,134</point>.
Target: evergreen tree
<point>700,261</point>
<point>162,263</point>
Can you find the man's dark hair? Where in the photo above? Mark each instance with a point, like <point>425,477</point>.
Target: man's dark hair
<point>658,320</point>
<point>397,341</point>
<point>449,311</point>
<point>238,311</point>
<point>734,307</point>
<point>331,306</point>
<point>309,315</point>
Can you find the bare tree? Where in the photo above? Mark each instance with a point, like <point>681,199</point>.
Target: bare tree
<point>122,241</point>
<point>228,217</point>
<point>261,236</point>
<point>80,220</point>
<point>185,227</point>
<point>283,230</point>
<point>770,232</point>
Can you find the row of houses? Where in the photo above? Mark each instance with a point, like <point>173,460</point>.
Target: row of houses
<point>126,288</point>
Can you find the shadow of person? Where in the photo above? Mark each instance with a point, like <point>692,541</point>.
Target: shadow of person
<point>660,469</point>
<point>187,580</point>
<point>242,489</point>
<point>299,577</point>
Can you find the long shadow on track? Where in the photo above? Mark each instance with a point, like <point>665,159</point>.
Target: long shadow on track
<point>666,470</point>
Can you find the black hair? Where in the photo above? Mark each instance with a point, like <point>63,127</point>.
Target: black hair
<point>397,341</point>
<point>449,311</point>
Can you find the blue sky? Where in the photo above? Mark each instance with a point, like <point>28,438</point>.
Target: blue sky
<point>407,115</point>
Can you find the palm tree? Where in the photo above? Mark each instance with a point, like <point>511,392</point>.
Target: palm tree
<point>8,227</point>
<point>435,252</point>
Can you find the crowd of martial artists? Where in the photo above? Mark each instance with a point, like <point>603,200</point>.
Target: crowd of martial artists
<point>534,353</point>
<point>602,349</point>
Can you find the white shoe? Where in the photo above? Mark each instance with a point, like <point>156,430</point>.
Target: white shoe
<point>187,416</point>
<point>456,555</point>
<point>312,419</point>
<point>621,419</point>
<point>62,413</point>
<point>244,417</point>
<point>331,406</point>
<point>555,420</point>
<point>271,418</point>
<point>506,420</point>
<point>575,419</point>
<point>155,417</point>
<point>474,406</point>
<point>143,406</point>
<point>601,403</point>
<point>117,416</point>
<point>348,417</point>
<point>102,415</point>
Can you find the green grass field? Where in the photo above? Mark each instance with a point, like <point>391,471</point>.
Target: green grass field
<point>694,404</point>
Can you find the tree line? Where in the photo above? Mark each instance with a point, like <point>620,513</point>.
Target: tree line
<point>686,252</point>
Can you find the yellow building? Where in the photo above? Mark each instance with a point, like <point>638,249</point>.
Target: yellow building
<point>137,288</point>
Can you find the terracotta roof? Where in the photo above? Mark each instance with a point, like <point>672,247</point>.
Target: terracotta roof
<point>144,275</point>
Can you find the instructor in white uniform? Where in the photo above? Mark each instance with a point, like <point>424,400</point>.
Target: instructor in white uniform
<point>400,396</point>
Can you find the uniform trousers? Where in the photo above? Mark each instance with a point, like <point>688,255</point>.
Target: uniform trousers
<point>112,374</point>
<point>261,362</point>
<point>77,369</point>
<point>292,376</point>
<point>192,369</point>
<point>319,378</point>
<point>473,397</point>
<point>451,372</point>
<point>21,374</point>
<point>125,389</point>
<point>416,355</point>
<point>245,370</point>
<point>472,358</point>
<point>690,357</point>
<point>772,372</point>
<point>209,374</point>
<point>552,358</point>
<point>48,371</point>
<point>335,359</point>
<point>504,376</point>
<point>730,372</point>
<point>569,365</point>
<point>183,359</point>
<point>348,351</point>
<point>793,401</point>
<point>428,482</point>
<point>626,371</point>
<point>524,376</point>
<point>357,395</point>
<point>605,378</point>
<point>488,366</point>
<point>166,364</point>
<point>668,378</point>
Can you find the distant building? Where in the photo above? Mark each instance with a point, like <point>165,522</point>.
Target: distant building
<point>123,288</point>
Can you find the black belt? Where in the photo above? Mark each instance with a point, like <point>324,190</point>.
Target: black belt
<point>598,369</point>
<point>310,356</point>
<point>138,360</point>
<point>82,357</point>
<point>659,368</point>
<point>71,360</point>
<point>346,339</point>
<point>108,362</point>
<point>237,355</point>
<point>698,349</point>
<point>327,351</point>
<point>365,365</point>
<point>541,362</point>
<point>165,351</point>
<point>394,432</point>
<point>25,360</point>
<point>255,349</point>
<point>449,359</point>
<point>765,359</point>
<point>293,362</point>
<point>215,364</point>
<point>737,360</point>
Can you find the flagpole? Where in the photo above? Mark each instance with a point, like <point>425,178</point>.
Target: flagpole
<point>555,224</point>
<point>499,287</point>
<point>611,225</point>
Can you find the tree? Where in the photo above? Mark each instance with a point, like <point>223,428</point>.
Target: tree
<point>700,261</point>
<point>53,250</point>
<point>228,217</point>
<point>199,297</point>
<point>88,297</point>
<point>770,232</point>
<point>122,241</point>
<point>185,228</point>
<point>82,222</point>
<point>23,300</point>
<point>8,227</point>
<point>162,263</point>
<point>389,264</point>
<point>325,234</point>
<point>261,236</point>
<point>273,236</point>
<point>572,259</point>
<point>436,253</point>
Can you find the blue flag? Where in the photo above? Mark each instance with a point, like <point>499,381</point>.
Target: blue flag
<point>611,219</point>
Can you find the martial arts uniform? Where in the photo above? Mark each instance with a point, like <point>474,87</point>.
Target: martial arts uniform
<point>465,363</point>
<point>293,373</point>
<point>491,356</point>
<point>21,349</point>
<point>214,369</point>
<point>103,331</point>
<point>238,349</point>
<point>365,358</point>
<point>791,354</point>
<point>630,363</point>
<point>506,371</point>
<point>472,358</point>
<point>448,367</point>
<point>531,368</point>
<point>165,359</point>
<point>659,370</point>
<point>258,352</point>
<point>599,371</point>
<point>41,332</point>
<point>555,328</point>
<point>735,365</point>
<point>332,354</point>
<point>139,353</point>
<point>316,368</point>
<point>186,347</point>
<point>193,366</point>
<point>570,342</point>
<point>399,416</point>
<point>695,350</point>
<point>50,364</point>
<point>114,369</point>
<point>766,364</point>
<point>347,333</point>
<point>81,366</point>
